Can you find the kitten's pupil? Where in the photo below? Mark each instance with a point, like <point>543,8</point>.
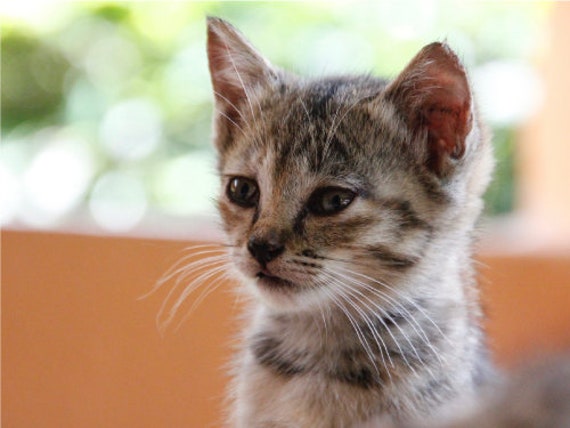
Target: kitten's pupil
<point>243,192</point>
<point>330,200</point>
<point>337,201</point>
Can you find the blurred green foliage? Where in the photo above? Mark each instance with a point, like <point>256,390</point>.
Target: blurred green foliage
<point>500,196</point>
<point>89,69</point>
<point>33,74</point>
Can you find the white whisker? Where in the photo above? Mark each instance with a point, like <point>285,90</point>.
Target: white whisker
<point>198,267</point>
<point>360,335</point>
<point>416,326</point>
<point>377,337</point>
<point>190,287</point>
<point>231,104</point>
<point>231,120</point>
<point>404,297</point>
<point>182,265</point>
<point>373,307</point>
<point>210,288</point>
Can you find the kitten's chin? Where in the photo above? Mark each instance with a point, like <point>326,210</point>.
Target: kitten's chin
<point>279,294</point>
<point>274,283</point>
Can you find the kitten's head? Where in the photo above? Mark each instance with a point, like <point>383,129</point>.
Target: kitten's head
<point>333,185</point>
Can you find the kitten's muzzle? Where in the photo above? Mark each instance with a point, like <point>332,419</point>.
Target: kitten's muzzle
<point>265,249</point>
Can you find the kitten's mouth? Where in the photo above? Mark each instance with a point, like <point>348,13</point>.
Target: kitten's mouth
<point>270,281</point>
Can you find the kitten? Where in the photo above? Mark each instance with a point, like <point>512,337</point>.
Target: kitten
<point>349,205</point>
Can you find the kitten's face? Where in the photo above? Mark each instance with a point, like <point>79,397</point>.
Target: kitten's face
<point>307,198</point>
<point>326,194</point>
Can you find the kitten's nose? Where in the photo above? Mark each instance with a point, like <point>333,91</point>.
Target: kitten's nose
<point>265,249</point>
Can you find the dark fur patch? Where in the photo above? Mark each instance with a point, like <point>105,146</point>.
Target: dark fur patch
<point>391,258</point>
<point>361,377</point>
<point>307,264</point>
<point>408,347</point>
<point>392,318</point>
<point>355,368</point>
<point>432,187</point>
<point>267,353</point>
<point>321,97</point>
<point>408,217</point>
<point>351,226</point>
<point>352,368</point>
<point>311,254</point>
<point>298,223</point>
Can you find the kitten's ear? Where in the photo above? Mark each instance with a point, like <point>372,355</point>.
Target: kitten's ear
<point>236,69</point>
<point>432,95</point>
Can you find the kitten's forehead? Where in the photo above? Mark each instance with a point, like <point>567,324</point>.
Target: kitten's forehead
<point>310,133</point>
<point>321,125</point>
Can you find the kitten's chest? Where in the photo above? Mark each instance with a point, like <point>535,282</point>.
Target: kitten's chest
<point>327,349</point>
<point>342,362</point>
<point>299,371</point>
<point>311,399</point>
<point>335,377</point>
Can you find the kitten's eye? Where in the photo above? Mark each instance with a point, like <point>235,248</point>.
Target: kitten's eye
<point>243,192</point>
<point>330,200</point>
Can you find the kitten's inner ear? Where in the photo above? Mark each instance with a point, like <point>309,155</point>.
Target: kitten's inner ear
<point>236,70</point>
<point>432,94</point>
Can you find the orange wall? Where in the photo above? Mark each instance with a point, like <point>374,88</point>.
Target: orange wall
<point>79,349</point>
<point>543,176</point>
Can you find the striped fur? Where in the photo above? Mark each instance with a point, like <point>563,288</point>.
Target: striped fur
<point>352,227</point>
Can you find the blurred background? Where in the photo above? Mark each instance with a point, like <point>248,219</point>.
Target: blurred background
<point>106,106</point>
<point>107,179</point>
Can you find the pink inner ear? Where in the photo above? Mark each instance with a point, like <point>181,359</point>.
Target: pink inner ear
<point>433,94</point>
<point>448,122</point>
<point>446,109</point>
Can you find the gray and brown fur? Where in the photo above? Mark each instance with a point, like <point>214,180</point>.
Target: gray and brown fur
<point>371,310</point>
